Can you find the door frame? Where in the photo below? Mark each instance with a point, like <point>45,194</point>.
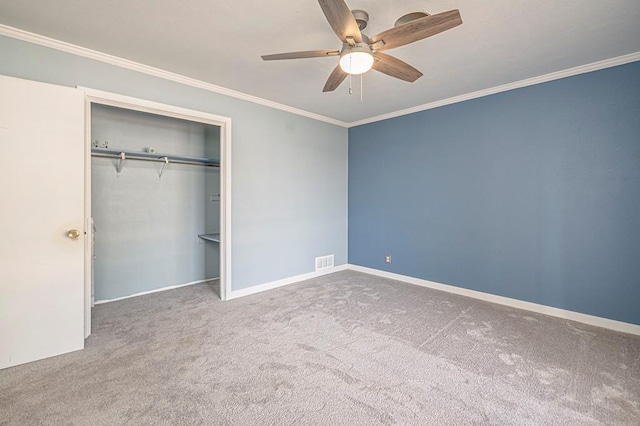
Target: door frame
<point>93,96</point>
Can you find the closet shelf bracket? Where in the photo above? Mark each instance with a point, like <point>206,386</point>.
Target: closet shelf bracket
<point>164,164</point>
<point>214,238</point>
<point>121,159</point>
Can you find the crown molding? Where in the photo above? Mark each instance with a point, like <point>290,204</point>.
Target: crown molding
<point>167,75</point>
<point>156,72</point>
<point>594,66</point>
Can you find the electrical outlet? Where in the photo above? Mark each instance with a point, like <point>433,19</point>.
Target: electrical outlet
<point>387,258</point>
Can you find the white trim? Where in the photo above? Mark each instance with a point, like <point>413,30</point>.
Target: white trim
<point>127,102</point>
<point>225,211</point>
<point>595,66</point>
<point>19,34</point>
<point>88,223</point>
<point>157,290</point>
<point>29,37</point>
<point>283,282</point>
<point>507,301</point>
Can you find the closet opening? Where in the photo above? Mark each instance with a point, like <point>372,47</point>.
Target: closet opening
<point>157,199</point>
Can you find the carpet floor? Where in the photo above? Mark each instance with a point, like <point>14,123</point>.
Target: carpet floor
<point>343,349</point>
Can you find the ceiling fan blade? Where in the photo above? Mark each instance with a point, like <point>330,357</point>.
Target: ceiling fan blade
<point>395,67</point>
<point>416,30</point>
<point>341,20</point>
<point>300,55</point>
<point>335,79</point>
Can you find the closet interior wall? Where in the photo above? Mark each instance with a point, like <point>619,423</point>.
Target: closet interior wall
<point>147,220</point>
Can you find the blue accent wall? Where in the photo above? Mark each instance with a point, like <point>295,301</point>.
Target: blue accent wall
<point>532,194</point>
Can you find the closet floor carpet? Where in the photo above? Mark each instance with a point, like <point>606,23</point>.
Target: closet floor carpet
<point>343,349</point>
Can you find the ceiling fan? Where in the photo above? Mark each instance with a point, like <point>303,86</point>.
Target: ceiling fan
<point>360,53</point>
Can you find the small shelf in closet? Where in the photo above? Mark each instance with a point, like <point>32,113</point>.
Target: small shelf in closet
<point>214,238</point>
<point>133,155</point>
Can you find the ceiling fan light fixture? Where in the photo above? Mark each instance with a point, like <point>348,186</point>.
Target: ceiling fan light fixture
<point>356,60</point>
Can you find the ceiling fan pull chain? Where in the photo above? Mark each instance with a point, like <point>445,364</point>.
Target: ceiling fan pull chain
<point>350,89</point>
<point>361,85</point>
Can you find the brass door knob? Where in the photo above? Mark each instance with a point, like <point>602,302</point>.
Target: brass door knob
<point>73,234</point>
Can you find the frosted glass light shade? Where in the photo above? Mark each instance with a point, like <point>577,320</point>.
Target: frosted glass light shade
<point>356,61</point>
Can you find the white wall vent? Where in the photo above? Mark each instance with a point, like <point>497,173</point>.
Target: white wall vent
<point>324,262</point>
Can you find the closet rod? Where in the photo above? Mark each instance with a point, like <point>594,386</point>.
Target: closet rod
<point>146,156</point>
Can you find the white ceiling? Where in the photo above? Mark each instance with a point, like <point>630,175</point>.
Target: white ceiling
<point>220,42</point>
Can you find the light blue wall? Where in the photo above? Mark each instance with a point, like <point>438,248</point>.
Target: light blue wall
<point>289,198</point>
<point>532,194</point>
<point>147,227</point>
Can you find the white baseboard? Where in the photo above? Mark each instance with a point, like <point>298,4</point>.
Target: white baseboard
<point>507,301</point>
<point>142,293</point>
<point>286,281</point>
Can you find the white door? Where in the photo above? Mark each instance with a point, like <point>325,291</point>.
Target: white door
<point>41,200</point>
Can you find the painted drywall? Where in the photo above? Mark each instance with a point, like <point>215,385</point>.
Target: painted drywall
<point>289,173</point>
<point>532,194</point>
<point>146,226</point>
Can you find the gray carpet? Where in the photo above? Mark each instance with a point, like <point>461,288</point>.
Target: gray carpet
<point>343,349</point>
